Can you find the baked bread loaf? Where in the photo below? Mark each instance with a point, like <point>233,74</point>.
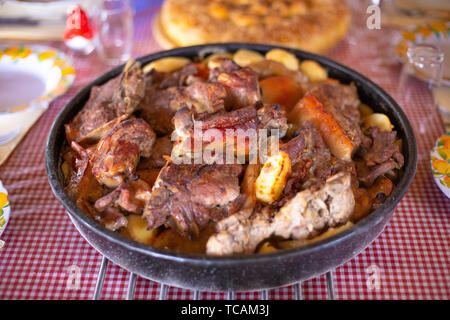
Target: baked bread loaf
<point>311,25</point>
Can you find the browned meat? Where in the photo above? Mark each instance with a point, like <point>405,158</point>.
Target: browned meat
<point>305,215</point>
<point>381,157</point>
<point>187,75</point>
<point>82,184</point>
<point>269,68</point>
<point>118,153</point>
<point>242,88</point>
<point>111,218</point>
<point>200,97</point>
<point>272,116</point>
<point>236,124</point>
<point>309,150</point>
<point>161,150</point>
<point>341,102</point>
<point>160,105</point>
<point>227,66</point>
<point>342,97</point>
<point>218,123</point>
<point>156,109</point>
<point>108,105</point>
<point>130,196</point>
<point>383,147</point>
<point>187,197</point>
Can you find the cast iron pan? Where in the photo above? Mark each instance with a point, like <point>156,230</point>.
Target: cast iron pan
<point>242,272</point>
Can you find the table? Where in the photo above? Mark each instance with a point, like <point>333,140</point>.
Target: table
<point>409,260</point>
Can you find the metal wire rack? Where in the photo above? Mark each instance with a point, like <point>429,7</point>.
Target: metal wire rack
<point>298,287</point>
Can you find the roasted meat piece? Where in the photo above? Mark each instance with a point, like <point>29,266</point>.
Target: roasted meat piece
<point>108,105</point>
<point>160,105</point>
<point>223,131</point>
<point>161,151</point>
<point>187,197</point>
<point>312,161</point>
<point>200,97</point>
<point>302,217</point>
<point>341,96</point>
<point>242,87</point>
<point>380,157</point>
<point>81,184</point>
<point>129,196</point>
<point>333,109</point>
<point>112,218</point>
<point>118,152</point>
<point>272,117</point>
<point>156,109</point>
<point>271,68</point>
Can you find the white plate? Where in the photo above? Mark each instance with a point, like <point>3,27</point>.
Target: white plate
<point>32,76</point>
<point>5,209</point>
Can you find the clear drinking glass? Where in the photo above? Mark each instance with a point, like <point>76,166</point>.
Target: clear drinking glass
<point>114,23</point>
<point>424,61</point>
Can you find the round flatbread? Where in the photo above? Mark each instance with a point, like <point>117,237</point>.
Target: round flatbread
<point>309,25</point>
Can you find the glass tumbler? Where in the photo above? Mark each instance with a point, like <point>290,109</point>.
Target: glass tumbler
<point>114,23</point>
<point>424,61</point>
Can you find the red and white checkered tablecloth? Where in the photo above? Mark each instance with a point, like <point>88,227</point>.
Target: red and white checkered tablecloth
<point>412,254</point>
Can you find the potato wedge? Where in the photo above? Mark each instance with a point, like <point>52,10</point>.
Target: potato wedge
<point>313,70</point>
<point>309,108</point>
<point>330,232</point>
<point>364,110</point>
<point>379,120</point>
<point>244,57</point>
<point>216,59</point>
<point>167,64</point>
<point>266,248</point>
<point>289,60</point>
<point>281,90</point>
<point>137,229</point>
<point>271,181</point>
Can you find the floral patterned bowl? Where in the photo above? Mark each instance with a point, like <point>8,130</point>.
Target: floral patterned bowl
<point>4,208</point>
<point>32,76</point>
<point>440,163</point>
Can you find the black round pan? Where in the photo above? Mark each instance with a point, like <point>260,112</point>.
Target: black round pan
<point>241,272</point>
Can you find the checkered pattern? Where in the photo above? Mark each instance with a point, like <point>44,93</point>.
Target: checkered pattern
<point>412,254</point>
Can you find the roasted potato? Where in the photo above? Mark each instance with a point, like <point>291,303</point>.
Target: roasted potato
<point>379,120</point>
<point>314,71</point>
<point>282,90</point>
<point>216,59</point>
<point>271,181</point>
<point>137,229</point>
<point>244,57</point>
<point>167,64</point>
<point>330,232</point>
<point>309,108</point>
<point>364,110</point>
<point>266,248</point>
<point>289,60</point>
